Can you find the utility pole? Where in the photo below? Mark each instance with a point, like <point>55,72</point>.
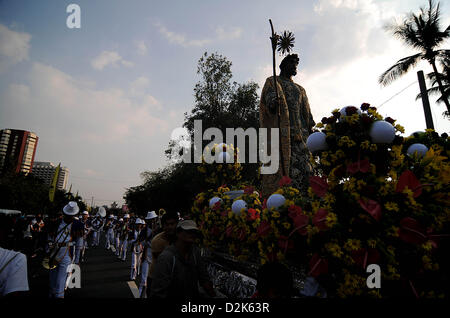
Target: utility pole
<point>92,202</point>
<point>425,100</point>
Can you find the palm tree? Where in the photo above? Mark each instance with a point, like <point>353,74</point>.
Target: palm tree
<point>421,32</point>
<point>445,79</point>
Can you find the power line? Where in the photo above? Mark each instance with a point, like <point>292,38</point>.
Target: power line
<point>396,94</point>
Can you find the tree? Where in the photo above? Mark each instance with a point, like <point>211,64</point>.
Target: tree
<point>421,32</point>
<point>445,77</point>
<point>219,103</point>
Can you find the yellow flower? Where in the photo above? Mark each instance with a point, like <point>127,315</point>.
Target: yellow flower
<point>288,203</point>
<point>334,249</point>
<point>365,144</point>
<point>373,147</point>
<point>319,125</point>
<point>352,245</point>
<point>276,214</point>
<point>331,219</point>
<point>427,246</point>
<point>400,128</point>
<point>286,225</point>
<point>391,206</point>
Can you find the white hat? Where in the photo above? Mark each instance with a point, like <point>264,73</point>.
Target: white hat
<point>115,217</point>
<point>110,216</point>
<point>120,220</point>
<point>76,218</point>
<point>126,216</point>
<point>85,213</point>
<point>151,215</point>
<point>139,221</point>
<point>187,225</point>
<point>71,208</point>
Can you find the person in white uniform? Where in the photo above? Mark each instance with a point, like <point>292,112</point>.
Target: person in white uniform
<point>136,248</point>
<point>80,241</point>
<point>109,228</point>
<point>97,226</point>
<point>118,233</point>
<point>124,237</point>
<point>13,272</point>
<point>147,234</point>
<point>60,242</point>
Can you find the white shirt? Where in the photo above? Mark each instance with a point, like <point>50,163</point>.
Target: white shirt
<point>14,276</point>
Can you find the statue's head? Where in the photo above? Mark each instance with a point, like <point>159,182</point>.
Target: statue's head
<point>288,65</point>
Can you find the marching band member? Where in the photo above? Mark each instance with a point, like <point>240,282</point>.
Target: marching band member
<point>136,248</point>
<point>97,225</point>
<point>124,237</point>
<point>109,228</point>
<point>146,238</point>
<point>118,232</point>
<point>86,233</point>
<point>60,242</point>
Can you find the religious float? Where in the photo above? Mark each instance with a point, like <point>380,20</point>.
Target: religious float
<point>375,197</point>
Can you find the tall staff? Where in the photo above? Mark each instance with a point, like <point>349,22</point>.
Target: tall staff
<point>274,41</point>
<point>284,44</point>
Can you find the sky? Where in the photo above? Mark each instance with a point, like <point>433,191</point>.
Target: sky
<point>105,98</point>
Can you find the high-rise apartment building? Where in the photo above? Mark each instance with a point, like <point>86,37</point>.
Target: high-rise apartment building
<point>46,170</point>
<point>17,150</point>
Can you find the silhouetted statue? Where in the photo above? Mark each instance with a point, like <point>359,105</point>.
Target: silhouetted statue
<point>295,125</point>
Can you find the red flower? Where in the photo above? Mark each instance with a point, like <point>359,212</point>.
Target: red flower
<point>229,231</point>
<point>216,205</point>
<point>285,243</point>
<point>408,179</point>
<point>361,165</point>
<point>372,207</point>
<point>317,266</point>
<point>319,185</point>
<point>320,219</point>
<point>390,120</point>
<point>264,229</point>
<point>294,210</point>
<point>411,231</point>
<point>223,214</point>
<point>249,190</point>
<point>285,180</point>
<point>363,256</point>
<point>240,235</point>
<point>300,220</point>
<point>253,214</point>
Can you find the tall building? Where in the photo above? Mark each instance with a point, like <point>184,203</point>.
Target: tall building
<point>17,150</point>
<point>46,170</point>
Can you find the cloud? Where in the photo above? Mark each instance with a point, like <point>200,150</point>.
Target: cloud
<point>14,47</point>
<point>220,34</point>
<point>228,34</point>
<point>141,47</point>
<point>63,105</point>
<point>109,58</point>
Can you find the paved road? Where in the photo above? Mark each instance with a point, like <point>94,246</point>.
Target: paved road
<point>102,276</point>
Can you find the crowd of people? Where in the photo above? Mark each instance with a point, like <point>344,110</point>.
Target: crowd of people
<point>165,258</point>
